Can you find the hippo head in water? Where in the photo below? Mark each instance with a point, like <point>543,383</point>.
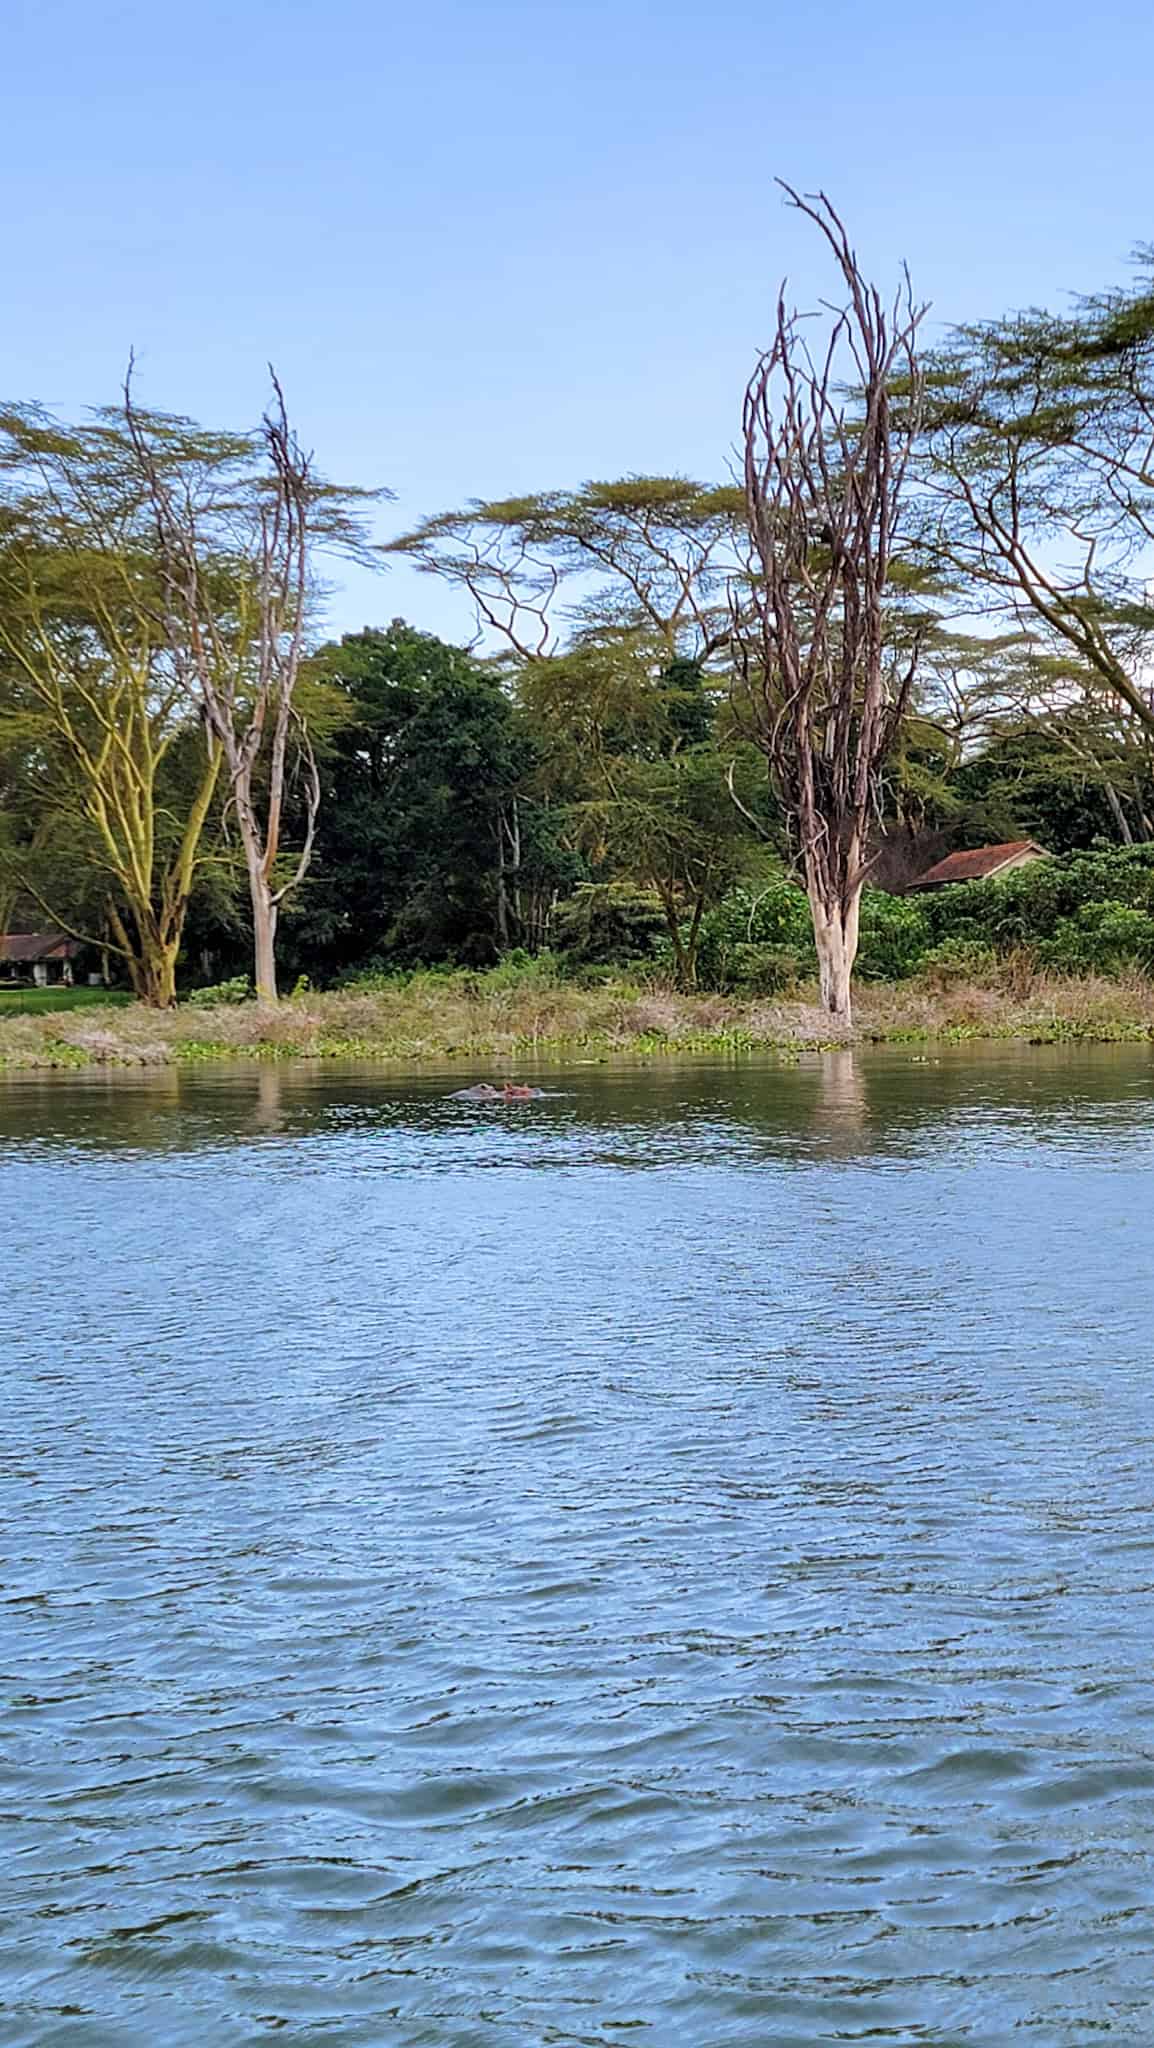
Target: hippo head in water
<point>510,1091</point>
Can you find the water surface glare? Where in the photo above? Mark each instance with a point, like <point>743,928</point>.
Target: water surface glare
<point>671,1563</point>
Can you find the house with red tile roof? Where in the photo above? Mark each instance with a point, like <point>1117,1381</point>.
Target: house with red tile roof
<point>980,863</point>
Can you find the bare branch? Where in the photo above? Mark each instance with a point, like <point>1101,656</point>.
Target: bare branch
<point>823,480</point>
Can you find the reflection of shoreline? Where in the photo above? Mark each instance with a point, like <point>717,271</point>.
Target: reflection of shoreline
<point>841,1101</point>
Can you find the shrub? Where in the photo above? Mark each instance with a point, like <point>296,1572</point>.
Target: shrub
<point>895,936</point>
<point>761,940</point>
<point>520,970</point>
<point>607,923</point>
<point>238,990</point>
<point>1101,938</point>
<point>1083,913</point>
<point>956,961</point>
<point>370,976</point>
<point>761,970</point>
<point>1028,906</point>
<point>757,940</point>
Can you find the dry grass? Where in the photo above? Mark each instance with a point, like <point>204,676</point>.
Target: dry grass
<point>462,1016</point>
<point>1039,1007</point>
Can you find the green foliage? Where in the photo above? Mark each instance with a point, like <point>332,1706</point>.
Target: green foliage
<point>237,990</point>
<point>758,940</point>
<point>1088,913</point>
<point>762,939</point>
<point>762,970</point>
<point>614,600</point>
<point>518,973</point>
<point>1101,938</point>
<point>954,962</point>
<point>1040,492</point>
<point>151,588</point>
<point>630,757</point>
<point>647,553</point>
<point>895,933</point>
<point>1053,783</point>
<point>1026,907</point>
<point>429,843</point>
<point>605,924</point>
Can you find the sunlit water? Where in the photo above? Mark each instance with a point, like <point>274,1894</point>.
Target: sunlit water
<point>672,1563</point>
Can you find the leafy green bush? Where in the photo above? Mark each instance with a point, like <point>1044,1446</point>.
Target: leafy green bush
<point>955,961</point>
<point>1028,906</point>
<point>1084,913</point>
<point>761,940</point>
<point>238,990</point>
<point>369,976</point>
<point>522,970</point>
<point>1101,938</point>
<point>604,924</point>
<point>895,935</point>
<point>761,970</point>
<point>519,973</point>
<point>758,940</point>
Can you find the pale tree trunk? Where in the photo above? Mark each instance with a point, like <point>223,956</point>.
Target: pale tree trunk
<point>264,932</point>
<point>1118,814</point>
<point>835,936</point>
<point>502,896</point>
<point>261,843</point>
<point>265,910</point>
<point>515,849</point>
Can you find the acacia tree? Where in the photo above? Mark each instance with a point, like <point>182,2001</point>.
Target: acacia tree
<point>629,756</point>
<point>638,555</point>
<point>825,687</point>
<point>1037,474</point>
<point>91,701</point>
<point>616,602</point>
<point>238,640</point>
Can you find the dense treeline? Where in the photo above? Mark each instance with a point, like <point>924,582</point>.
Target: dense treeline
<point>618,770</point>
<point>459,824</point>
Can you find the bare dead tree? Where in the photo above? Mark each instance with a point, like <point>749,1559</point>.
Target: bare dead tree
<point>824,688</point>
<point>235,559</point>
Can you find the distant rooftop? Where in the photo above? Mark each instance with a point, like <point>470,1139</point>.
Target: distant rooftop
<point>27,948</point>
<point>980,862</point>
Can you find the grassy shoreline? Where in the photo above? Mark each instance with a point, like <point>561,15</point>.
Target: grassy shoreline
<point>486,1018</point>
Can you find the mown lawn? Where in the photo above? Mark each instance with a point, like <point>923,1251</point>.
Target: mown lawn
<point>40,1002</point>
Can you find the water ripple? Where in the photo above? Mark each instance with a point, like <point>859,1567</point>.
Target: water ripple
<point>671,1563</point>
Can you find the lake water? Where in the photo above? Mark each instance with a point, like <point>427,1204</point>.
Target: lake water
<point>670,1564</point>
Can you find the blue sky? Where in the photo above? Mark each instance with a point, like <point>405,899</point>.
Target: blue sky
<point>503,247</point>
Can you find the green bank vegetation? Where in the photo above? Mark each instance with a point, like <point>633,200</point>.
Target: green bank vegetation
<point>518,1015</point>
<point>604,824</point>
